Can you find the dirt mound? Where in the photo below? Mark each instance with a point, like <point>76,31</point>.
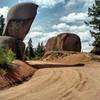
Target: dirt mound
<point>66,57</point>
<point>17,72</point>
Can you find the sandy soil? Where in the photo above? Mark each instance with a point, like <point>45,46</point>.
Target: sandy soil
<point>63,83</point>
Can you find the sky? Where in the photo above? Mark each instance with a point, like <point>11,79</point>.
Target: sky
<point>55,17</point>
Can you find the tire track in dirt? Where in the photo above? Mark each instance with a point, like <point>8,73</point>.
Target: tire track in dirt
<point>77,83</point>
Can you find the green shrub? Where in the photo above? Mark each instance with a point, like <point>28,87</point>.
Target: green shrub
<point>6,57</point>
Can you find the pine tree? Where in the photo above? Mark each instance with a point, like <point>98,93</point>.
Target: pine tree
<point>1,24</point>
<point>29,50</point>
<point>40,49</point>
<point>94,23</point>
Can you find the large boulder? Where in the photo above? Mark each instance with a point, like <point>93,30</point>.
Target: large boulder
<point>51,44</point>
<point>19,20</point>
<point>17,46</point>
<point>64,42</point>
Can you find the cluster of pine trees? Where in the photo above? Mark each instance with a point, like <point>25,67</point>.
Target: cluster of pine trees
<point>34,53</point>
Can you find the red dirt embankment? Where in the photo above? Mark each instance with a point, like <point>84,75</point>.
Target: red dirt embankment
<point>16,74</point>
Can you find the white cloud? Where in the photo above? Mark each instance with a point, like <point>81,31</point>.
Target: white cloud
<point>19,1</point>
<point>84,36</point>
<point>37,28</point>
<point>81,28</point>
<point>61,27</point>
<point>72,4</point>
<point>46,3</point>
<point>4,11</point>
<point>34,34</point>
<point>39,36</point>
<point>86,47</point>
<point>74,17</point>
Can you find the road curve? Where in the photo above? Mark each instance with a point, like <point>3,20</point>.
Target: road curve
<point>68,83</point>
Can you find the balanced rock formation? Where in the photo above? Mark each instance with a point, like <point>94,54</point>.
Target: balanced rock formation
<point>19,20</point>
<point>64,42</point>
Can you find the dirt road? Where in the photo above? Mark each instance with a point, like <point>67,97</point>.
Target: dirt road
<point>67,83</point>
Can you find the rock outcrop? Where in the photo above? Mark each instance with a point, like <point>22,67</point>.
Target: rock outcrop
<point>64,42</point>
<point>19,20</point>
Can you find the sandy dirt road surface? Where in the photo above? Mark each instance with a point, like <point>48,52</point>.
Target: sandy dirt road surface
<point>64,83</point>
